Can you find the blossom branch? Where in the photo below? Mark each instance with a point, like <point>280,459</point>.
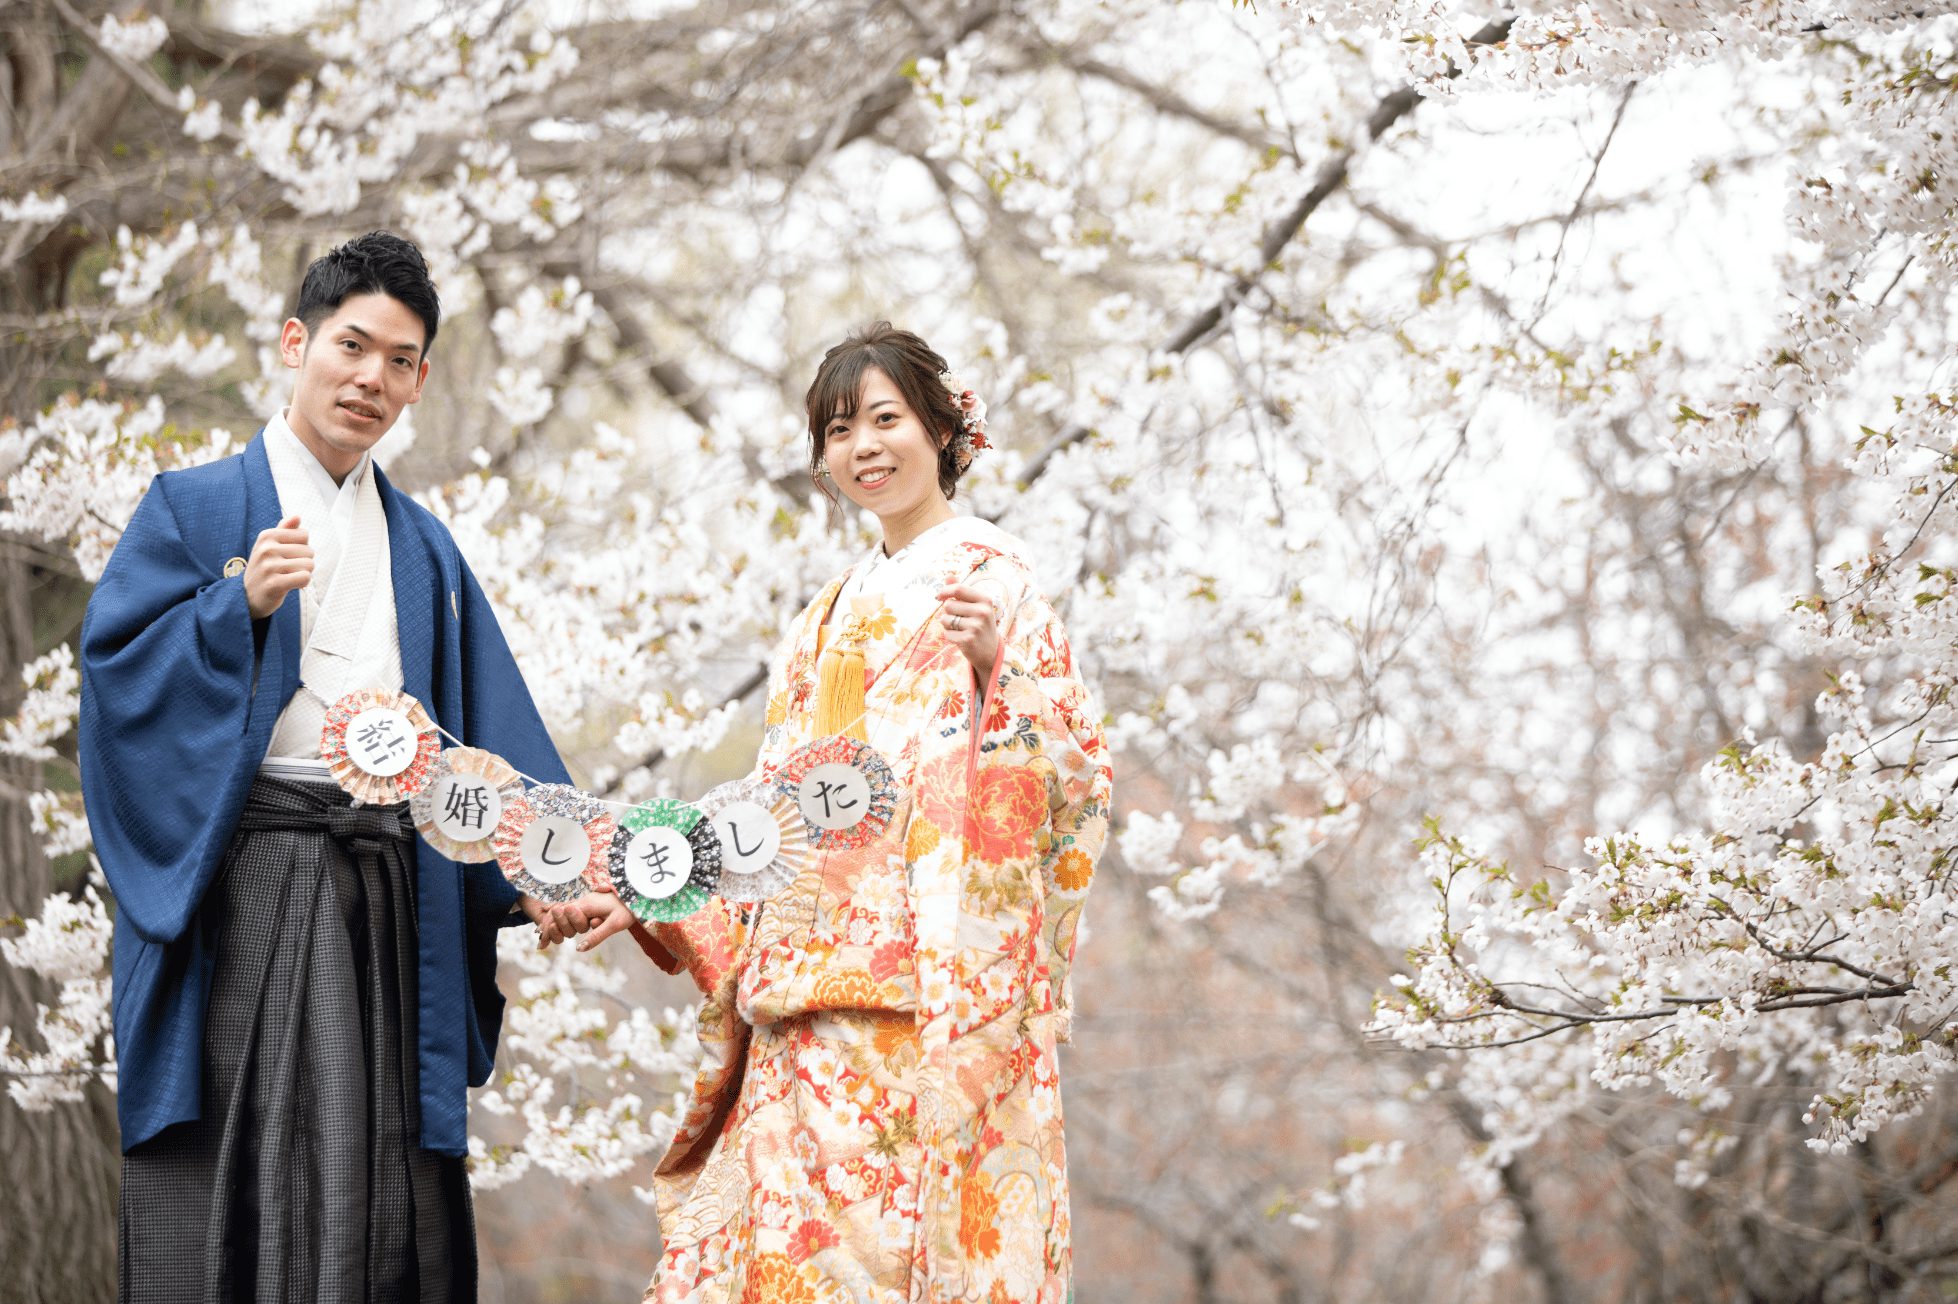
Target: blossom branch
<point>1331,176</point>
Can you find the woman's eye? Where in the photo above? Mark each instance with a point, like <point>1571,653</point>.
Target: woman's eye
<point>887,416</point>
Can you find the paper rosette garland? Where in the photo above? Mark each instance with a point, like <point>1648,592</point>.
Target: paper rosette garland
<point>665,860</point>
<point>537,842</point>
<point>466,793</point>
<point>764,839</point>
<point>379,745</point>
<point>844,789</point>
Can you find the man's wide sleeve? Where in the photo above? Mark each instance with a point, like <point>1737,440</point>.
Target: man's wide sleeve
<point>168,673</point>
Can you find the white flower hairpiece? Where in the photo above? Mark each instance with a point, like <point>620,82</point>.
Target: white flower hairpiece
<point>972,418</point>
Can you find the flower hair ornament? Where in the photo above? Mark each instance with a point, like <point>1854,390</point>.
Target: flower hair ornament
<point>971,436</point>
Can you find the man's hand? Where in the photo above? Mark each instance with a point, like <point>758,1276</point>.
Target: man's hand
<point>280,562</point>
<point>559,922</point>
<point>596,915</point>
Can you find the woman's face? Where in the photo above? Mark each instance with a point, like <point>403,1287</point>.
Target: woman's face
<point>883,458</point>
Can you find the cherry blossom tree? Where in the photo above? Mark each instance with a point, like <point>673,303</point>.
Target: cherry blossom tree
<point>1807,923</point>
<point>1431,421</point>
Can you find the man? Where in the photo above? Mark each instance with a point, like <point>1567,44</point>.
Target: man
<point>304,989</point>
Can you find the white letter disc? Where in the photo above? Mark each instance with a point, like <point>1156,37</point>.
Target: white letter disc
<point>834,796</point>
<point>555,849</point>
<point>381,742</point>
<point>658,862</point>
<point>750,837</point>
<point>466,807</point>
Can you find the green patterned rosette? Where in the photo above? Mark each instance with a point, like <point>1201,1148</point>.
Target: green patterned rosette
<point>646,860</point>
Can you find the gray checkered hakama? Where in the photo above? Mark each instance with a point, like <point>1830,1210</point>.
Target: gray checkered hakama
<point>303,1180</point>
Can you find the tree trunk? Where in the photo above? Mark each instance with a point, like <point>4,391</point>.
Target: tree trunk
<point>58,1203</point>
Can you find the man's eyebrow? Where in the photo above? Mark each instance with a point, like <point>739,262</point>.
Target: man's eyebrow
<point>369,336</point>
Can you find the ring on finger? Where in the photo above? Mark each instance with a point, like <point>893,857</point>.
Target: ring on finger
<point>956,622</point>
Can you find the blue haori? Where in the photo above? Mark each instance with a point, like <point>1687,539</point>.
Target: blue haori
<point>180,691</point>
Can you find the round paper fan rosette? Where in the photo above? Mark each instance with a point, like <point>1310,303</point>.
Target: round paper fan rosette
<point>467,791</point>
<point>537,842</point>
<point>665,860</point>
<point>764,839</point>
<point>379,745</point>
<point>844,789</point>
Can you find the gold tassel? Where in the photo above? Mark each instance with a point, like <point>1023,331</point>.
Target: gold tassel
<point>839,690</point>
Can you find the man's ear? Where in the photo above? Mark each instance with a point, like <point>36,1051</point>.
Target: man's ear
<point>421,378</point>
<point>293,338</point>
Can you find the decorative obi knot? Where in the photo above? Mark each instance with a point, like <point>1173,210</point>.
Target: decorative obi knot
<point>856,629</point>
<point>373,823</point>
<point>276,806</point>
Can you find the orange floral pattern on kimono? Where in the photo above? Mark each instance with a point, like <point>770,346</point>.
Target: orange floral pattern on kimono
<point>877,1118</point>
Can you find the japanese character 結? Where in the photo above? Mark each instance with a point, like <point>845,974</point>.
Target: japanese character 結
<point>381,741</point>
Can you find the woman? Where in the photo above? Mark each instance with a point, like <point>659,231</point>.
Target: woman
<point>878,1114</point>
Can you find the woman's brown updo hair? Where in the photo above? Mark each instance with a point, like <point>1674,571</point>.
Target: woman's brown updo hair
<point>913,366</point>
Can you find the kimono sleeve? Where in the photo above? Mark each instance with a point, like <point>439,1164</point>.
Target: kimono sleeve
<point>169,669</point>
<point>1041,706</point>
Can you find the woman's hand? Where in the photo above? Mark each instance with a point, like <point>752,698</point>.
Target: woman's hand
<point>605,915</point>
<point>596,915</point>
<point>972,626</point>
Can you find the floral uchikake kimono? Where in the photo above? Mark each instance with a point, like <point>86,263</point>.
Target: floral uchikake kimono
<point>878,1115</point>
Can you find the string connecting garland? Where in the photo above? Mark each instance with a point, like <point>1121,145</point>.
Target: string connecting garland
<point>746,840</point>
<point>665,860</point>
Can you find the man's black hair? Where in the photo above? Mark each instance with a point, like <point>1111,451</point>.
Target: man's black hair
<point>379,262</point>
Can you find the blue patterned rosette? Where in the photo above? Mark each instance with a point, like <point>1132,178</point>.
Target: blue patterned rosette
<point>559,870</point>
<point>844,789</point>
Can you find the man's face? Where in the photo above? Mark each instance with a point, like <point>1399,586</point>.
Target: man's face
<point>355,374</point>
